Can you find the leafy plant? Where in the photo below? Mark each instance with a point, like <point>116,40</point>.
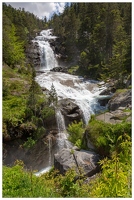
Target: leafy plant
<point>20,183</point>
<point>115,179</point>
<point>76,131</point>
<point>29,143</point>
<point>104,135</point>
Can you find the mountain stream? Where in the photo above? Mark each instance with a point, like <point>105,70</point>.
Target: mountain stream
<point>84,93</point>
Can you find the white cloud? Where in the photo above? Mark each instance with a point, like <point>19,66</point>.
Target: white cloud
<point>40,9</point>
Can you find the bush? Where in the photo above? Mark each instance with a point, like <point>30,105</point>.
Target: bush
<point>115,179</point>
<point>19,183</point>
<point>104,135</point>
<point>29,143</point>
<point>76,131</point>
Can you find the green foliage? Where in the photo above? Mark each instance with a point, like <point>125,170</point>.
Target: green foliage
<point>14,110</point>
<point>38,110</point>
<point>98,36</point>
<point>25,108</point>
<point>40,132</point>
<point>13,52</point>
<point>115,179</point>
<point>73,69</point>
<point>53,96</point>
<point>5,89</point>
<point>66,184</point>
<point>29,143</point>
<point>104,136</point>
<point>47,113</point>
<point>28,128</point>
<point>26,23</point>
<point>18,183</point>
<point>76,131</point>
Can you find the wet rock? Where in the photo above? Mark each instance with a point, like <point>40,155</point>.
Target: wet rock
<point>59,69</point>
<point>103,101</point>
<point>37,157</point>
<point>70,111</point>
<point>120,99</point>
<point>67,158</point>
<point>108,91</point>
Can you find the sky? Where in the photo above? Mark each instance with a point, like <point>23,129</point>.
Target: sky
<point>44,8</point>
<point>40,9</point>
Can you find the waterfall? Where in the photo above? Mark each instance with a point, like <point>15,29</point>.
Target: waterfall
<point>60,121</point>
<point>50,149</point>
<point>62,141</point>
<point>84,93</point>
<point>48,60</point>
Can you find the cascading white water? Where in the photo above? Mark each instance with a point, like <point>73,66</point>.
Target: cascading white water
<point>50,148</point>
<point>60,121</point>
<point>48,60</point>
<point>84,93</point>
<point>62,134</point>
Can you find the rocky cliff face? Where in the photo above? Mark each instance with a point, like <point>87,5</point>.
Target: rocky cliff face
<point>33,54</point>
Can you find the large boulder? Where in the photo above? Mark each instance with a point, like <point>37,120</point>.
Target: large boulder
<point>70,111</point>
<point>59,69</point>
<point>120,99</point>
<point>86,160</point>
<point>115,117</point>
<point>108,91</point>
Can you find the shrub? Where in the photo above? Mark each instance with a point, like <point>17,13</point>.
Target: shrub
<point>76,131</point>
<point>104,135</point>
<point>19,183</point>
<point>29,143</point>
<point>115,179</point>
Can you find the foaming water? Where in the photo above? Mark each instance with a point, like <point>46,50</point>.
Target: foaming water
<point>84,93</point>
<point>48,60</point>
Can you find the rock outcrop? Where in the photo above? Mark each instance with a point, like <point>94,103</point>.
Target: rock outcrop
<point>37,157</point>
<point>103,100</point>
<point>120,99</point>
<point>115,117</point>
<point>86,160</point>
<point>70,111</point>
<point>60,69</point>
<point>33,54</point>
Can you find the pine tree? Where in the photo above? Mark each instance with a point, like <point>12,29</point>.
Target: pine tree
<point>53,96</point>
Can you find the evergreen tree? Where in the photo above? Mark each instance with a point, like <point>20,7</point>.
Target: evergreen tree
<point>53,96</point>
<point>13,52</point>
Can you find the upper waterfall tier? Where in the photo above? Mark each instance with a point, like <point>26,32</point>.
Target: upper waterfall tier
<point>45,35</point>
<point>47,56</point>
